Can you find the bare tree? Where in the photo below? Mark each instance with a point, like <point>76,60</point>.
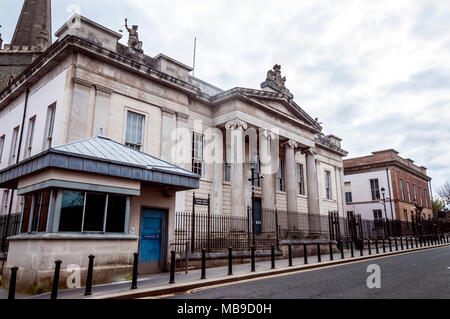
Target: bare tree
<point>444,192</point>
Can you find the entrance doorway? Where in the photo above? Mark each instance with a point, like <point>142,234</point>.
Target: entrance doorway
<point>257,206</point>
<point>153,241</point>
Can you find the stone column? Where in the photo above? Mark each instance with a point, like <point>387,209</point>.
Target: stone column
<point>291,184</point>
<point>101,110</point>
<point>235,138</point>
<point>183,151</point>
<point>167,129</point>
<point>267,162</point>
<point>313,193</point>
<point>214,166</point>
<point>340,191</point>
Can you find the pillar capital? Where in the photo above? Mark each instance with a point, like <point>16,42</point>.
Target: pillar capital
<point>268,135</point>
<point>236,124</point>
<point>290,144</point>
<point>309,151</point>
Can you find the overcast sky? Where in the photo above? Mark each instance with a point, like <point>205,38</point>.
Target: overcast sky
<point>376,73</point>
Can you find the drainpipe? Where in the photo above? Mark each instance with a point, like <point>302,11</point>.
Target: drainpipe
<point>390,194</point>
<point>5,230</point>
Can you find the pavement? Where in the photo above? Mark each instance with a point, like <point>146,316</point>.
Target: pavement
<point>420,275</point>
<point>158,284</point>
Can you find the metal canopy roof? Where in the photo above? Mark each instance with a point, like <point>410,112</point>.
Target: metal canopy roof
<point>101,155</point>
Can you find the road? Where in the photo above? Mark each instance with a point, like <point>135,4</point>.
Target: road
<point>424,274</point>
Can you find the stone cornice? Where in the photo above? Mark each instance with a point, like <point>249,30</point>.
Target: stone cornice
<point>70,44</point>
<point>367,166</point>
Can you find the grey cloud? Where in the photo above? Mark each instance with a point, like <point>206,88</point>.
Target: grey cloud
<point>431,21</point>
<point>336,73</point>
<point>431,79</point>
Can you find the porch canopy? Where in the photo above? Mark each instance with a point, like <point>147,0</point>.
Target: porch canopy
<point>100,156</point>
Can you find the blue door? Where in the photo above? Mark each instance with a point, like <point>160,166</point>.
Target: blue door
<point>151,252</point>
<point>258,216</point>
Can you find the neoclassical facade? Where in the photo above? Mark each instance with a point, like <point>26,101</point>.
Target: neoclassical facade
<point>241,147</point>
<point>90,83</point>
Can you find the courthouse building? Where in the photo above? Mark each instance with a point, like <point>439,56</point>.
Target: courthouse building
<point>101,144</point>
<point>386,186</point>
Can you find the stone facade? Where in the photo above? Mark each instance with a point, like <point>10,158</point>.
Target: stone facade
<point>93,83</point>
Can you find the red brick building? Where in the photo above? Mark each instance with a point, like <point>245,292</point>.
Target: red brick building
<point>405,185</point>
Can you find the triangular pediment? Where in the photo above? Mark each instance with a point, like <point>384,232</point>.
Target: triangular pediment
<point>287,107</point>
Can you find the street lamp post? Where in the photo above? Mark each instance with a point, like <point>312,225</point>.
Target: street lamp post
<point>385,211</point>
<point>384,202</point>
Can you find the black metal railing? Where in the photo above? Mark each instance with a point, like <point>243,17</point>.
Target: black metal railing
<point>264,228</point>
<point>12,229</point>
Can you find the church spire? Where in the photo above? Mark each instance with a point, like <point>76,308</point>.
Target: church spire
<point>34,27</point>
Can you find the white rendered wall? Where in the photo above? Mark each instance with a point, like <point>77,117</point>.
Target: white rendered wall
<point>42,94</point>
<point>362,196</point>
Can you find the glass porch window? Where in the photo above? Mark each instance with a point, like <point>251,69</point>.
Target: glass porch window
<point>92,212</point>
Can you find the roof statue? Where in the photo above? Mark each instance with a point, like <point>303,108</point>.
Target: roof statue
<point>276,81</point>
<point>133,38</point>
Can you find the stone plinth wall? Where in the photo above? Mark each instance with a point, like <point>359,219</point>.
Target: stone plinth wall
<point>36,261</point>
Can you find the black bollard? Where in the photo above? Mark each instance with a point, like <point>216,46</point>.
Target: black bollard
<point>351,249</point>
<point>172,267</point>
<point>203,264</point>
<point>230,261</point>
<point>342,250</point>
<point>368,245</point>
<point>390,245</point>
<point>290,255</point>
<point>396,244</point>
<point>319,257</point>
<point>12,283</point>
<point>384,246</point>
<point>417,243</point>
<point>253,259</point>
<point>54,294</point>
<point>305,254</point>
<point>429,243</point>
<point>376,247</point>
<point>361,247</point>
<point>401,243</point>
<point>273,256</point>
<point>421,242</point>
<point>330,247</point>
<point>88,291</point>
<point>135,271</point>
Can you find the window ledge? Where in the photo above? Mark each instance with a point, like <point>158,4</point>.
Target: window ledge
<point>72,236</point>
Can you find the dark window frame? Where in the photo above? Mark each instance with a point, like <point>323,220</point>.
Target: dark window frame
<point>375,189</point>
<point>106,207</point>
